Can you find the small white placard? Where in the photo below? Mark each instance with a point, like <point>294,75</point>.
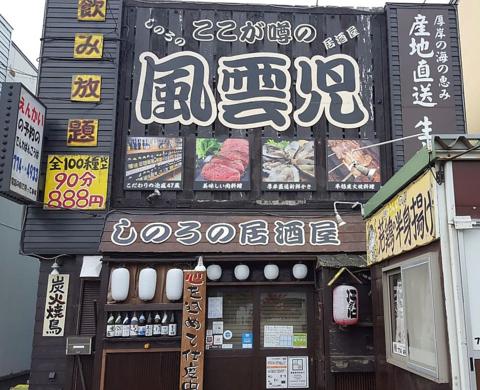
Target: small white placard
<point>217,327</point>
<point>278,336</point>
<point>91,267</point>
<point>399,349</point>
<point>215,307</point>
<point>218,339</point>
<point>227,346</point>
<point>297,372</point>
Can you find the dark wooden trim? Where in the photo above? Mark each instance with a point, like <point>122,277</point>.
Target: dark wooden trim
<point>116,307</point>
<point>272,284</point>
<point>99,344</point>
<point>253,8</point>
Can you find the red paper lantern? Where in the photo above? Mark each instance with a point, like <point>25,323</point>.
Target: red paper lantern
<point>345,305</point>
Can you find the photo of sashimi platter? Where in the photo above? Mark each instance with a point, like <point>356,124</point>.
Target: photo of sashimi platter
<point>222,165</point>
<point>288,165</point>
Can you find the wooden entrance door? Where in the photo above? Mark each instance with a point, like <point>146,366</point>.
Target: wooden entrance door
<point>260,325</point>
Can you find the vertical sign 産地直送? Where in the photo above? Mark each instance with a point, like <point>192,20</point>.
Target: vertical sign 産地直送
<point>426,74</point>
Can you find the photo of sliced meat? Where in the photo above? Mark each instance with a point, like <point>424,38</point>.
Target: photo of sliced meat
<point>222,162</point>
<point>235,145</point>
<point>239,165</point>
<point>217,171</point>
<point>235,155</point>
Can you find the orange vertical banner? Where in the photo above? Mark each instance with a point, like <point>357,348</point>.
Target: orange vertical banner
<point>193,330</point>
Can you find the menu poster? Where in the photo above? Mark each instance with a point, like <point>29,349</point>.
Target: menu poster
<point>288,165</point>
<point>222,165</point>
<point>276,372</point>
<point>215,307</point>
<point>353,165</point>
<point>154,163</point>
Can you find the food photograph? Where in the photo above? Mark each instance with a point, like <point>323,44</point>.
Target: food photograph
<point>288,165</point>
<point>353,165</point>
<point>222,164</point>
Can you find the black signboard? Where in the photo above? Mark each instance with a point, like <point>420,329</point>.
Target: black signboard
<point>222,165</point>
<point>288,165</point>
<point>154,163</point>
<point>428,101</point>
<point>353,165</point>
<point>22,121</point>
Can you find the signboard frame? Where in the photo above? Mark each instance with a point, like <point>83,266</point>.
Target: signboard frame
<point>9,101</point>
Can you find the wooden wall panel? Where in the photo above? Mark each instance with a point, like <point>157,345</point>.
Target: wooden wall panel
<point>51,232</point>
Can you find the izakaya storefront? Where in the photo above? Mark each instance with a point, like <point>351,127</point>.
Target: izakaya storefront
<point>245,135</point>
<point>260,317</point>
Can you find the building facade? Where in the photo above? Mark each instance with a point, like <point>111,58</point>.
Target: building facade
<point>248,136</point>
<point>15,354</point>
<point>424,278</point>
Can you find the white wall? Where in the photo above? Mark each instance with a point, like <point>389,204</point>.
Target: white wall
<point>5,38</point>
<point>20,69</point>
<point>18,274</point>
<point>18,293</point>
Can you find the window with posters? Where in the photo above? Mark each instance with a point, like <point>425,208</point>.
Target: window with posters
<point>262,324</point>
<point>76,182</point>
<point>414,318</point>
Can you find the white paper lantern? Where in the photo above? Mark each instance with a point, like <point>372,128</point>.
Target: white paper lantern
<point>241,272</point>
<point>214,272</point>
<point>271,271</point>
<point>174,284</point>
<point>147,283</point>
<point>120,283</point>
<point>345,305</point>
<point>300,271</point>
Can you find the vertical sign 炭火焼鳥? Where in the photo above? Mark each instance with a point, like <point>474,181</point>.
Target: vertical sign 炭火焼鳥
<point>55,305</point>
<point>193,330</point>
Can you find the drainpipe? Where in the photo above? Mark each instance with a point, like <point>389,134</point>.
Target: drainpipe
<point>452,284</point>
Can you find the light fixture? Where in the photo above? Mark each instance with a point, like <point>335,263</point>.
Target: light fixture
<point>241,272</point>
<point>214,272</point>
<point>340,221</point>
<point>200,266</point>
<point>120,283</point>
<point>55,268</point>
<point>271,271</point>
<point>299,271</point>
<point>155,194</point>
<point>174,284</point>
<point>147,283</point>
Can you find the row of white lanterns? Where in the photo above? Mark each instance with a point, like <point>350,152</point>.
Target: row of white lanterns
<point>242,272</point>
<point>147,280</point>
